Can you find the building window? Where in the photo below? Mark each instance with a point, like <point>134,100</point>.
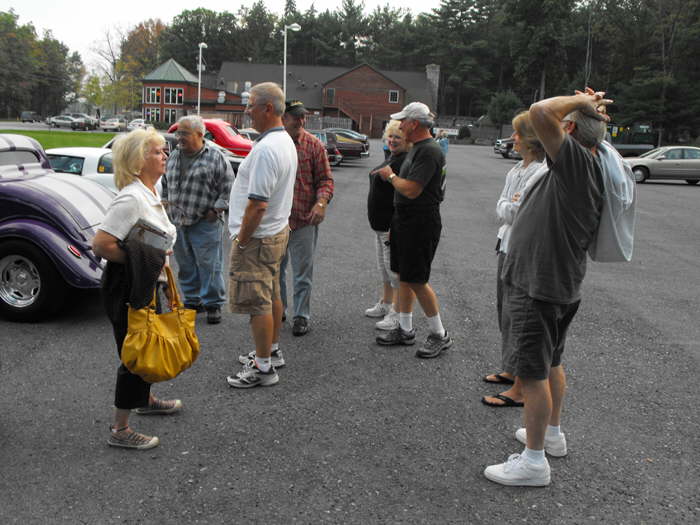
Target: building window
<point>170,115</point>
<point>152,114</point>
<point>330,96</point>
<point>173,95</point>
<point>152,95</point>
<point>393,96</point>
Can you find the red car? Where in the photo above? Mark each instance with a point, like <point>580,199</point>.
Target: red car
<point>225,135</point>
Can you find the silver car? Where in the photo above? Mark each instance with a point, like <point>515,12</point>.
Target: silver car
<point>668,162</point>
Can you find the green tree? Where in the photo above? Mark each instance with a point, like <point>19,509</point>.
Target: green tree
<point>502,108</point>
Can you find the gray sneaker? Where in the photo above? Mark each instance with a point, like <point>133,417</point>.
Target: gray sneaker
<point>277,358</point>
<point>434,346</point>
<point>127,438</point>
<point>251,376</point>
<point>160,407</point>
<point>397,336</point>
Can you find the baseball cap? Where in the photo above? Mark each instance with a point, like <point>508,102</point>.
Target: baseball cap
<point>414,110</point>
<point>295,108</point>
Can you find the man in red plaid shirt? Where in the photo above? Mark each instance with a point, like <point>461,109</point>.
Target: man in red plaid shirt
<point>313,191</point>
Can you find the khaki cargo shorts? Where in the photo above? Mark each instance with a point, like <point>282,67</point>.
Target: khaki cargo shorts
<point>254,274</point>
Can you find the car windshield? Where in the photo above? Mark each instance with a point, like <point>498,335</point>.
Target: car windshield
<point>66,164</point>
<point>17,157</point>
<point>230,130</point>
<point>654,153</point>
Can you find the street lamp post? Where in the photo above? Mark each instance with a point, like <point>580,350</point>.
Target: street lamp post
<point>202,45</point>
<point>292,27</point>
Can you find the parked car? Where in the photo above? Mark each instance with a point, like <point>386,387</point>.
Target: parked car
<point>224,134</point>
<point>47,222</point>
<point>331,142</point>
<point>503,146</point>
<point>91,163</point>
<point>30,116</point>
<point>113,124</point>
<point>171,145</point>
<point>85,121</point>
<point>668,162</point>
<point>249,133</point>
<point>347,140</point>
<point>137,123</point>
<point>62,121</point>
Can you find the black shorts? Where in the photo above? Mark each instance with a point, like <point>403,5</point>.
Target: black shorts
<point>533,333</point>
<point>415,235</point>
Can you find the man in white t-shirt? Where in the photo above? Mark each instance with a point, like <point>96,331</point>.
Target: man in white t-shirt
<point>260,204</point>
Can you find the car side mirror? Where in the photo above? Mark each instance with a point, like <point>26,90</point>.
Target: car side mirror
<point>662,157</point>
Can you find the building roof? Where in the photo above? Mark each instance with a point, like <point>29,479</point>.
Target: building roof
<point>171,71</point>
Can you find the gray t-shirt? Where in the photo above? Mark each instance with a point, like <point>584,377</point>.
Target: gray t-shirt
<point>556,222</point>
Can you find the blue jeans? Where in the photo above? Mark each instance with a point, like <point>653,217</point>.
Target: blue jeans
<point>200,260</point>
<point>300,251</point>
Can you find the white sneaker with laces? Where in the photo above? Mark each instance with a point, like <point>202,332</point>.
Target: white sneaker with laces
<point>378,310</point>
<point>555,446</point>
<point>276,356</point>
<point>251,376</point>
<point>390,321</point>
<point>519,472</point>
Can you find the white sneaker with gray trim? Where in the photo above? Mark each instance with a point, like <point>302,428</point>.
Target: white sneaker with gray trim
<point>555,446</point>
<point>390,321</point>
<point>519,472</point>
<point>276,356</point>
<point>251,376</point>
<point>378,310</point>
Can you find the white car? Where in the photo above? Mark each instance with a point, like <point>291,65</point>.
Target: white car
<point>113,124</point>
<point>91,163</point>
<point>137,123</point>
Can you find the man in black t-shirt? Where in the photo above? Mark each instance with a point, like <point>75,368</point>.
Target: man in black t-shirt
<point>543,272</point>
<point>415,229</point>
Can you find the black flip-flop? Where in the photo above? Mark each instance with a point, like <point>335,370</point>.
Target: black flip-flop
<point>502,380</point>
<point>507,402</point>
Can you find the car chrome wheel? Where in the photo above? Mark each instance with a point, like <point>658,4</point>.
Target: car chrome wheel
<point>640,174</point>
<point>20,281</point>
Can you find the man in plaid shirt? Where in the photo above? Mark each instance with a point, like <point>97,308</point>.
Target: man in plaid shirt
<point>313,191</point>
<point>196,188</point>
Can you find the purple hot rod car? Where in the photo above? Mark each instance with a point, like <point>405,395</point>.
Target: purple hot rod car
<point>47,222</point>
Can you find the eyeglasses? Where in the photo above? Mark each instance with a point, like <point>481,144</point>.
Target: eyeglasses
<point>179,133</point>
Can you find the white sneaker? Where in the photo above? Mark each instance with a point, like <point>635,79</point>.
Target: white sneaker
<point>277,358</point>
<point>390,321</point>
<point>251,376</point>
<point>555,446</point>
<point>519,472</point>
<point>378,310</point>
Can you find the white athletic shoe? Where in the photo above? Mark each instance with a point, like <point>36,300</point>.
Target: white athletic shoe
<point>390,321</point>
<point>519,472</point>
<point>277,359</point>
<point>378,310</point>
<point>555,446</point>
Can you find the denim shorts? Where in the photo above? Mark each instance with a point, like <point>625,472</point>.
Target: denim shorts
<point>533,333</point>
<point>254,274</point>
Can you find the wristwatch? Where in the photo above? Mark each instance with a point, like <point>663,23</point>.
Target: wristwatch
<point>392,176</point>
<point>320,204</point>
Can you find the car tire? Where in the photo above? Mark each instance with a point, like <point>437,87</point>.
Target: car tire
<point>30,285</point>
<point>692,182</point>
<point>504,155</point>
<point>641,174</point>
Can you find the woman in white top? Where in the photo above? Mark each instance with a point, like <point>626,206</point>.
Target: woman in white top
<point>518,181</point>
<point>139,161</point>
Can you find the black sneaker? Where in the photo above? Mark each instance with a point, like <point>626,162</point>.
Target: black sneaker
<point>213,314</point>
<point>199,307</point>
<point>301,326</point>
<point>434,346</point>
<point>397,336</point>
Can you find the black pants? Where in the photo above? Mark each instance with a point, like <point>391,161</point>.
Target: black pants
<point>131,391</point>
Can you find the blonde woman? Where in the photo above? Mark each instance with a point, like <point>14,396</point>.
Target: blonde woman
<point>380,209</point>
<point>519,179</point>
<point>139,161</point>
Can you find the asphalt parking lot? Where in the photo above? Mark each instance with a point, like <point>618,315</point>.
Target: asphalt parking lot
<point>356,433</point>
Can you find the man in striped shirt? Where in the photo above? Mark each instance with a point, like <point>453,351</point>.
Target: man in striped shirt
<point>313,191</point>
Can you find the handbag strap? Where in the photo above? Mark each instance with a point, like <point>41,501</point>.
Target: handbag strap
<point>174,296</point>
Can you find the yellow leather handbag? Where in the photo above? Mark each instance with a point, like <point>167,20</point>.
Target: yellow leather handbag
<point>158,347</point>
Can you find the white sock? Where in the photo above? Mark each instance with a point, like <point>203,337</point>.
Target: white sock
<point>275,347</point>
<point>406,321</point>
<point>435,325</point>
<point>534,456</point>
<point>263,363</point>
<point>552,432</point>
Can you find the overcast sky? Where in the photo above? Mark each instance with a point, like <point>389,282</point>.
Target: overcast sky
<point>79,24</point>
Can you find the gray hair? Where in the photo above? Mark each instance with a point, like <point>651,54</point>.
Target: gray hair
<point>269,93</point>
<point>194,122</point>
<point>589,131</point>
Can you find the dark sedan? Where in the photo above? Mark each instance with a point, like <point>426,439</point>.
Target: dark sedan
<point>330,141</point>
<point>351,143</point>
<point>47,222</point>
